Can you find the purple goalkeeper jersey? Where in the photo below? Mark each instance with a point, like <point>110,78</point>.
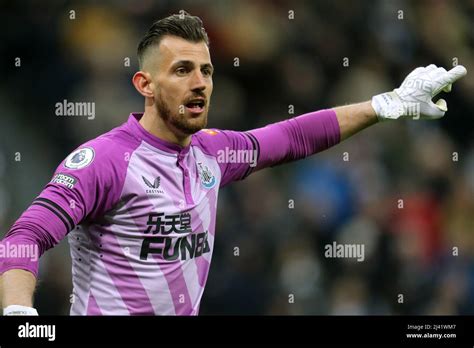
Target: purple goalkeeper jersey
<point>140,213</point>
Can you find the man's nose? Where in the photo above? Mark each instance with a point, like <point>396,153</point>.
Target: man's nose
<point>198,81</point>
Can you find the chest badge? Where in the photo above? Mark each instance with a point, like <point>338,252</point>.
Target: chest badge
<point>208,180</point>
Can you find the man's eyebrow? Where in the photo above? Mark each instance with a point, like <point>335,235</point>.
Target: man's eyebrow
<point>208,65</point>
<point>189,63</point>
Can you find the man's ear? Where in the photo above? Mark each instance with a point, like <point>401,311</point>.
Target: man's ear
<point>142,82</point>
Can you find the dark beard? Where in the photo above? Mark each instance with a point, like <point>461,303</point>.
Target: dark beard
<point>177,120</point>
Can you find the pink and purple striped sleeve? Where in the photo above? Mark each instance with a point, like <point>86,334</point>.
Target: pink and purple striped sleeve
<point>273,144</point>
<point>296,138</point>
<point>73,195</point>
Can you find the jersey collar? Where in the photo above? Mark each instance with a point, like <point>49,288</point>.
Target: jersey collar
<point>133,122</point>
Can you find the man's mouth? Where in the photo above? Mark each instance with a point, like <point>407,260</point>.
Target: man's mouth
<point>196,106</point>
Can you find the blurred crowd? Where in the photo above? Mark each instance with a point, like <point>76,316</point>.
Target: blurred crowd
<point>405,190</point>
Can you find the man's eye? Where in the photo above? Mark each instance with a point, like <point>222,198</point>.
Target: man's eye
<point>207,72</point>
<point>181,71</point>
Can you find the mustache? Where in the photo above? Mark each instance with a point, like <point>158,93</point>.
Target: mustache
<point>196,95</point>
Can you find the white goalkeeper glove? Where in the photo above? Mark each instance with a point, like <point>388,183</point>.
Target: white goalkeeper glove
<point>19,310</point>
<point>413,98</point>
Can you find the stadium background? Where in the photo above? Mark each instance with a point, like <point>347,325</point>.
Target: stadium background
<point>282,62</point>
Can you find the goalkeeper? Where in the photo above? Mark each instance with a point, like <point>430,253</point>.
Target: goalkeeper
<point>138,203</point>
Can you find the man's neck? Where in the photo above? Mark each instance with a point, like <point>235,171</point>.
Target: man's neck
<point>155,125</point>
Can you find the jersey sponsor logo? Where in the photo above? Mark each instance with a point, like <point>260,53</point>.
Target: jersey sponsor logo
<point>154,187</point>
<point>80,158</point>
<point>173,247</point>
<point>208,180</point>
<point>64,179</point>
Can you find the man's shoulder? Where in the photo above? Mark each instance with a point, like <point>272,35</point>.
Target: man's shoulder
<point>213,140</point>
<point>106,150</point>
<point>114,142</point>
<point>208,140</point>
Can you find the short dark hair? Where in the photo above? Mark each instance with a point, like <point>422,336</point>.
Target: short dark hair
<point>182,25</point>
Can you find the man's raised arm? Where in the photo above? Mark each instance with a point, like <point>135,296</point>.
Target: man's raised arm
<point>307,134</point>
<point>354,118</point>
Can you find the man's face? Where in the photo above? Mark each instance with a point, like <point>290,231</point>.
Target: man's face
<point>182,83</point>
